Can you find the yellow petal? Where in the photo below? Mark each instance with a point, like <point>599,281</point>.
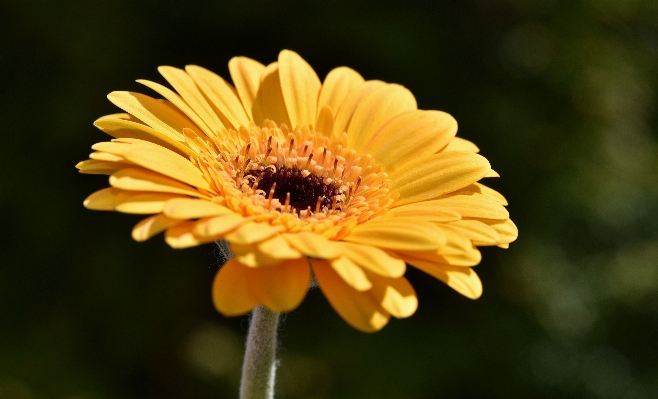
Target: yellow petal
<point>359,309</point>
<point>123,116</point>
<point>492,173</point>
<point>300,87</point>
<point>410,135</point>
<point>278,248</point>
<point>222,96</point>
<point>348,105</point>
<point>168,163</point>
<point>92,166</point>
<point>374,259</point>
<point>460,144</point>
<point>477,231</point>
<point>219,225</point>
<point>148,143</point>
<point>314,245</point>
<point>182,236</point>
<point>154,113</point>
<point>151,226</point>
<point>481,188</point>
<point>106,156</point>
<point>430,177</point>
<point>102,200</point>
<point>325,122</point>
<point>252,232</point>
<point>185,86</point>
<point>113,147</point>
<point>470,205</point>
<point>141,202</point>
<point>181,105</point>
<point>187,208</point>
<point>457,251</point>
<point>251,256</point>
<point>398,234</point>
<point>467,258</point>
<point>245,74</point>
<point>269,103</point>
<point>425,210</point>
<point>120,128</point>
<point>395,295</point>
<point>376,108</point>
<point>336,87</point>
<point>134,179</point>
<point>230,290</point>
<point>461,279</point>
<point>353,275</point>
<point>280,288</point>
<point>506,229</point>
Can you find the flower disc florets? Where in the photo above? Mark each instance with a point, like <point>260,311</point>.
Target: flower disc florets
<point>303,180</point>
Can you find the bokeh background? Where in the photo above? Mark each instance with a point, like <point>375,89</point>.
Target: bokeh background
<point>560,95</point>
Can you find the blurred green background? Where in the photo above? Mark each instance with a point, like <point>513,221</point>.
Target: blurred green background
<point>560,95</point>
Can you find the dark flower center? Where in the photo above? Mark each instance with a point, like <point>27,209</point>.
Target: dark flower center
<point>308,192</point>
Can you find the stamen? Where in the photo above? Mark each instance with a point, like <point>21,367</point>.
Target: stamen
<point>269,197</point>
<point>358,183</point>
<point>310,157</point>
<point>324,154</point>
<point>333,204</point>
<point>246,151</point>
<point>269,142</point>
<point>288,152</point>
<point>287,203</point>
<point>317,204</point>
<point>305,149</point>
<point>255,186</point>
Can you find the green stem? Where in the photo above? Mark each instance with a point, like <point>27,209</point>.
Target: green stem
<point>259,364</point>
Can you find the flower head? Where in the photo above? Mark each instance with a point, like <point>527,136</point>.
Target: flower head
<point>345,180</point>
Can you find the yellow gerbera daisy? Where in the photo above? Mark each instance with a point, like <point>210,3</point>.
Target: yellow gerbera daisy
<point>344,180</point>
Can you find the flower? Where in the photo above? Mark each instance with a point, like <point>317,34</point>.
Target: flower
<point>345,180</point>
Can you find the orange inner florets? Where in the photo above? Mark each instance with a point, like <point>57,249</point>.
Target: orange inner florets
<point>305,180</point>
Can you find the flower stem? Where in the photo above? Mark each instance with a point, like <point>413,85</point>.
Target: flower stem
<point>259,364</point>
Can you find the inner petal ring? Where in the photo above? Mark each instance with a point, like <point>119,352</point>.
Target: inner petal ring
<point>302,179</point>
